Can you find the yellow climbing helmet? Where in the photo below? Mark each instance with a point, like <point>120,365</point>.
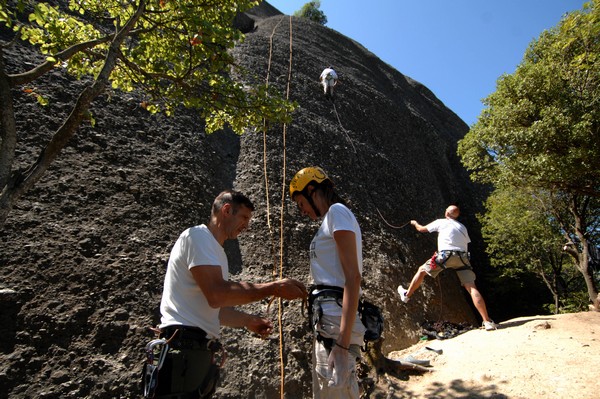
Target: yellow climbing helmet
<point>304,177</point>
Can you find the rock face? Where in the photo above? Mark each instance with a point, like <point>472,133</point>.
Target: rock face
<point>84,253</point>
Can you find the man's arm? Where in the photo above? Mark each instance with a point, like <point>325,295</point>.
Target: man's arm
<point>221,293</point>
<point>420,228</point>
<point>231,317</point>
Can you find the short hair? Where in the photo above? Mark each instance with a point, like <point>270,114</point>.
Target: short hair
<point>235,198</point>
<point>453,211</point>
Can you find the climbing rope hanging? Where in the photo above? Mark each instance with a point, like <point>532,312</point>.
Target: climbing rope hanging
<point>265,169</point>
<point>282,210</point>
<point>360,161</point>
<point>375,204</point>
<point>271,234</point>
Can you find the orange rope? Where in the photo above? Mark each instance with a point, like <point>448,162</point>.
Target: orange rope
<point>283,186</point>
<point>265,155</point>
<point>280,304</point>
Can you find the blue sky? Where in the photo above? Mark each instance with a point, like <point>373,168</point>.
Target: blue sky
<point>457,48</point>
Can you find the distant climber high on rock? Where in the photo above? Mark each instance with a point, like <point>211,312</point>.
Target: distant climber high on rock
<point>328,79</point>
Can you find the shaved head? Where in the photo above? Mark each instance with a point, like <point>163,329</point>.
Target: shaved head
<point>452,212</point>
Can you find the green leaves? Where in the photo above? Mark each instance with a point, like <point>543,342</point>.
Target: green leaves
<point>542,125</point>
<point>177,53</point>
<point>311,11</point>
<point>537,143</point>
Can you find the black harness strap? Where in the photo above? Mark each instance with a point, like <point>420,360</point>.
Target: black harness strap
<point>317,291</point>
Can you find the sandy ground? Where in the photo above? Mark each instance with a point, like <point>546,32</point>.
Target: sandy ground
<point>527,357</point>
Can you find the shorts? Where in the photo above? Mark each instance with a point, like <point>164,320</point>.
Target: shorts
<point>459,263</point>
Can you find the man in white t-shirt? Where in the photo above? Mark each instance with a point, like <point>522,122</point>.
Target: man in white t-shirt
<point>452,253</point>
<point>198,298</point>
<point>329,80</point>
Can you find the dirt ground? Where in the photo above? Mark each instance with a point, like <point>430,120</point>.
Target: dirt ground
<point>527,357</point>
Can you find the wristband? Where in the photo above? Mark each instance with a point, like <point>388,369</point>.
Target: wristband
<point>343,347</point>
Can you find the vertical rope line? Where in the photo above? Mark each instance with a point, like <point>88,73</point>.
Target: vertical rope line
<point>360,161</point>
<point>282,211</point>
<point>271,235</point>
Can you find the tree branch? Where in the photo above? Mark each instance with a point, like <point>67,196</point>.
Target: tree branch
<point>31,75</point>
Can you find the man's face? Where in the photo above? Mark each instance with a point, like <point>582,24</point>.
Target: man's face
<point>237,220</point>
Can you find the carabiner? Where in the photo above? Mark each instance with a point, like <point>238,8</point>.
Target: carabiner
<point>163,351</point>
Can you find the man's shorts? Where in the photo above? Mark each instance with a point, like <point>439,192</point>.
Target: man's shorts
<point>459,263</point>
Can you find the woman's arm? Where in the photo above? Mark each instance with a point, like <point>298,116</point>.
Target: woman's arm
<point>346,244</point>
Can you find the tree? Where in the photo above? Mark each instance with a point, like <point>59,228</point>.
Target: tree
<point>540,129</point>
<point>175,52</point>
<point>523,239</point>
<point>311,11</point>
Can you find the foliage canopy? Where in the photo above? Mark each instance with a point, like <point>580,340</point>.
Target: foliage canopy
<point>177,53</point>
<point>538,143</point>
<point>542,125</point>
<point>311,10</point>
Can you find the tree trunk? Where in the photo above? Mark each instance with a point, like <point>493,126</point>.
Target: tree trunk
<point>18,183</point>
<point>579,211</point>
<point>591,287</point>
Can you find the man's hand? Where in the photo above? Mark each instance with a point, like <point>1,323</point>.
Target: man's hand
<point>338,361</point>
<point>421,229</point>
<point>260,326</point>
<point>289,288</point>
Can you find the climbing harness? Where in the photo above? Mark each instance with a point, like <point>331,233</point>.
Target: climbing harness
<point>370,315</point>
<point>165,361</point>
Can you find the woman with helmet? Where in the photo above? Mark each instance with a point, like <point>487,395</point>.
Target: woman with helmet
<point>336,269</point>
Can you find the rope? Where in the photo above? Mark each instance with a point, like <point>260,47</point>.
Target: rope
<point>360,160</point>
<point>265,154</point>
<point>282,209</point>
<point>377,209</point>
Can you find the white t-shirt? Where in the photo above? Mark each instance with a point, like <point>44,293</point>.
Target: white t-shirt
<point>183,302</point>
<point>328,71</point>
<point>452,235</point>
<point>325,264</point>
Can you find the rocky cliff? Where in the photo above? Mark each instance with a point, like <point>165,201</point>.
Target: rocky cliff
<point>84,253</point>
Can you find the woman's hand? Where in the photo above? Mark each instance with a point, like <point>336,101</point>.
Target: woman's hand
<point>339,366</point>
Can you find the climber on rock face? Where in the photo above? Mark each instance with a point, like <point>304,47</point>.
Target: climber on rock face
<point>452,253</point>
<point>328,79</point>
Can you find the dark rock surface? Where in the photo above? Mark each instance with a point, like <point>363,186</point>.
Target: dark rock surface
<point>83,254</point>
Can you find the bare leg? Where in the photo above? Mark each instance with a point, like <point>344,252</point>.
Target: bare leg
<point>477,300</point>
<point>416,281</point>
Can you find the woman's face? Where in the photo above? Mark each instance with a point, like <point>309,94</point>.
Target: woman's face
<point>304,206</point>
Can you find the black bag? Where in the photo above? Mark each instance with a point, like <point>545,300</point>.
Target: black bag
<point>372,318</point>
